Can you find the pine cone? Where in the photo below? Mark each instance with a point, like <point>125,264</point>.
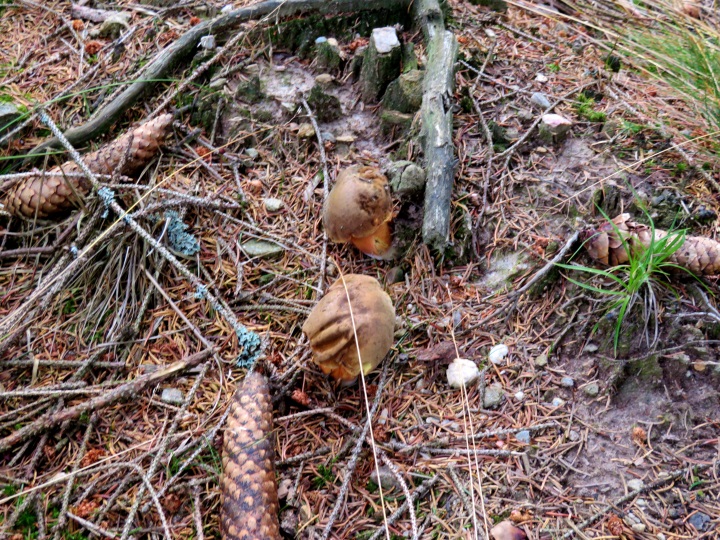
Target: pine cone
<point>45,195</point>
<point>698,254</point>
<point>249,493</point>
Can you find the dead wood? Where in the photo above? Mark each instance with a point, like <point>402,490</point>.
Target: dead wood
<point>121,393</point>
<point>170,57</point>
<point>437,119</point>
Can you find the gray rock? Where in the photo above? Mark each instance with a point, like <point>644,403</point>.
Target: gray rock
<point>9,113</point>
<point>387,480</point>
<point>523,436</point>
<point>325,80</point>
<point>591,348</point>
<point>406,178</point>
<point>699,521</point>
<point>385,39</point>
<point>540,99</point>
<point>557,402</point>
<point>114,25</point>
<point>567,382</point>
<point>503,268</point>
<point>173,396</point>
<point>635,484</point>
<point>328,137</point>
<point>494,395</point>
<point>272,204</point>
<point>405,93</point>
<point>541,360</point>
<point>591,390</point>
<point>573,435</point>
<point>260,248</point>
<point>252,153</point>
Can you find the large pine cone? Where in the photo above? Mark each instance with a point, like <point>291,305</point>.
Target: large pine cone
<point>698,254</point>
<point>44,195</point>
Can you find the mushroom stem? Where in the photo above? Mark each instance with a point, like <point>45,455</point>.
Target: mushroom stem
<point>378,244</point>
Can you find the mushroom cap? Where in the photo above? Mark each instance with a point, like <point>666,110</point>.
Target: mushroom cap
<point>358,203</point>
<point>330,330</point>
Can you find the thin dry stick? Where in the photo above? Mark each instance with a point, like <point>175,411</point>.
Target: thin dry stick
<point>182,410</point>
<point>352,463</point>
<point>419,493</point>
<point>121,393</point>
<point>62,518</point>
<point>326,180</point>
<point>252,346</point>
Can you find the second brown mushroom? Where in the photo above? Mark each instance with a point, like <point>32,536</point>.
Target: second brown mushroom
<point>330,327</point>
<point>359,209</point>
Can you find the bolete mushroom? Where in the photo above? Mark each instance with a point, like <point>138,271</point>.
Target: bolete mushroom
<point>359,210</point>
<point>329,327</point>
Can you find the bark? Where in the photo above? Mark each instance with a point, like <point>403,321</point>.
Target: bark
<point>175,53</point>
<point>436,117</point>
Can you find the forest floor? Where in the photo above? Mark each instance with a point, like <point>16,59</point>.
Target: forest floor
<point>561,436</point>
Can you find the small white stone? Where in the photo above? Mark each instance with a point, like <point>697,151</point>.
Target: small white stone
<point>520,395</point>
<point>635,484</point>
<point>385,39</point>
<point>638,527</point>
<point>226,9</point>
<point>272,204</point>
<point>557,402</point>
<point>207,42</point>
<point>172,396</point>
<point>498,352</point>
<point>556,124</point>
<point>489,33</point>
<point>541,78</point>
<point>462,372</point>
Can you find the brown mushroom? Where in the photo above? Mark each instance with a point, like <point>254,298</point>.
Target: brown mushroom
<point>359,210</point>
<point>330,327</point>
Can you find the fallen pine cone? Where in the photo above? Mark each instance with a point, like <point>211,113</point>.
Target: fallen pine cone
<point>248,490</point>
<point>698,254</point>
<point>47,194</point>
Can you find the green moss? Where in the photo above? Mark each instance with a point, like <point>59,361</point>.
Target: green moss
<point>326,106</point>
<point>585,109</point>
<point>250,90</point>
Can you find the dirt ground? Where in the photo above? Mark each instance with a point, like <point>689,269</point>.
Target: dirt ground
<point>562,436</point>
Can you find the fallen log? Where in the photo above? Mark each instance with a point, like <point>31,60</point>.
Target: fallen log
<point>436,118</point>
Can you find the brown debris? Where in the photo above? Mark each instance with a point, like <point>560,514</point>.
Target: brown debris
<point>45,195</point>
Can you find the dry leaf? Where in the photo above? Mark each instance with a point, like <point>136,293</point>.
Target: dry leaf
<point>93,47</point>
<point>442,352</point>
<point>639,436</point>
<point>300,397</point>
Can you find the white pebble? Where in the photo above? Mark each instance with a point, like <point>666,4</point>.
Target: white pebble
<point>498,352</point>
<point>462,372</point>
<point>520,395</point>
<point>541,78</point>
<point>557,402</point>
